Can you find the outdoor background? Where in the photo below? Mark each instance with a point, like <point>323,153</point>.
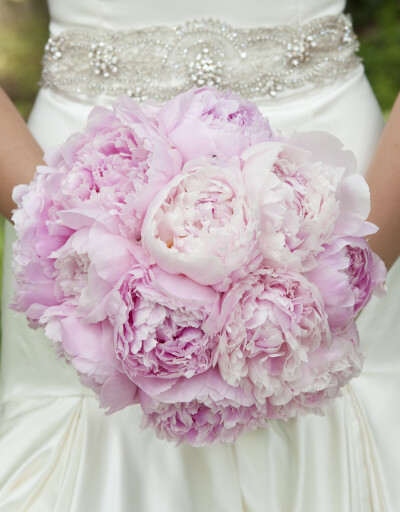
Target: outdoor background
<point>23,33</point>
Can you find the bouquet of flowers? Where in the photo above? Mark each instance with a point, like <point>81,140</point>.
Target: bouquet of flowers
<point>188,258</point>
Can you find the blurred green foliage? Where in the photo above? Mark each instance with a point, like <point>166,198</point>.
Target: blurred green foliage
<point>377,23</point>
<point>23,33</point>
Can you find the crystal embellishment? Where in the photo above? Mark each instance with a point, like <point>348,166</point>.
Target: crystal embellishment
<point>161,62</point>
<point>103,59</point>
<point>206,68</point>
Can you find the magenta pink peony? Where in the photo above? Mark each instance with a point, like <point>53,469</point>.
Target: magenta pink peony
<point>183,258</point>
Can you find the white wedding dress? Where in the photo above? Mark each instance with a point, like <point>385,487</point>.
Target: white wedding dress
<point>59,452</point>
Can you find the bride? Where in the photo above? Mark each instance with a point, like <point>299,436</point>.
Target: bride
<point>59,452</point>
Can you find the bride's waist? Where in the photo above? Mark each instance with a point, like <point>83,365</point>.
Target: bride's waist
<point>161,61</point>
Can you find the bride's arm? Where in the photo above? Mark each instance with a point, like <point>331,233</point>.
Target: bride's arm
<point>19,153</point>
<point>383,177</point>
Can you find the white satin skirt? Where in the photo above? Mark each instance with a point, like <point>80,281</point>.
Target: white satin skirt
<point>59,452</point>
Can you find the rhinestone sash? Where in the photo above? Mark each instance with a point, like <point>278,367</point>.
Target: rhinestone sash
<point>161,62</point>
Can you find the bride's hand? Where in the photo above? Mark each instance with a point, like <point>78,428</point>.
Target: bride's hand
<point>19,153</point>
<point>383,177</point>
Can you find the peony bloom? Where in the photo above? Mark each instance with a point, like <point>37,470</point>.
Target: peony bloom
<point>201,224</point>
<point>295,199</point>
<point>89,348</point>
<point>36,240</point>
<point>329,369</point>
<point>270,325</point>
<point>207,122</point>
<point>202,410</point>
<point>158,320</point>
<point>201,423</point>
<point>89,265</point>
<point>122,161</point>
<point>347,275</point>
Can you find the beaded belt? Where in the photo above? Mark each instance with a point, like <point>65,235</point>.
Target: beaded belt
<point>161,62</point>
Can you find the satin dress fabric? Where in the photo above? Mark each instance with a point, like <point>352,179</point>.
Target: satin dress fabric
<point>59,452</point>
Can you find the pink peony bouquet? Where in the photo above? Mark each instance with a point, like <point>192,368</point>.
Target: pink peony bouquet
<point>186,258</point>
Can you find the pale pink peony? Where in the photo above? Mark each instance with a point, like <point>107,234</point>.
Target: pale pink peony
<point>207,122</point>
<point>296,199</point>
<point>328,370</point>
<point>201,224</point>
<point>270,325</point>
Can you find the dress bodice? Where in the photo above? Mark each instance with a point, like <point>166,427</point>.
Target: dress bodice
<point>124,14</point>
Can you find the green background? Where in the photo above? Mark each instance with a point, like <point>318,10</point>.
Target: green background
<point>23,33</point>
